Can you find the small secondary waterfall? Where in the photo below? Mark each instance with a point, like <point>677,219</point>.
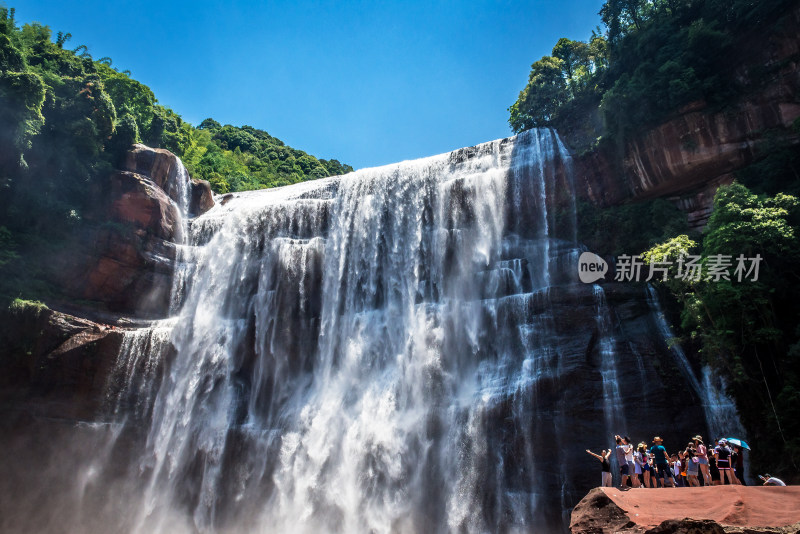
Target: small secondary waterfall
<point>180,191</point>
<point>720,411</point>
<point>723,419</point>
<point>613,408</point>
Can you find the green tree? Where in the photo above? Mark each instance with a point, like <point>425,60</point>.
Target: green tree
<point>541,98</point>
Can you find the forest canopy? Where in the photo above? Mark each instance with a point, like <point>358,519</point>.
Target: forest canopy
<point>654,57</point>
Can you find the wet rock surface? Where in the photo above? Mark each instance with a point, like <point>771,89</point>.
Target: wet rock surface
<point>55,364</point>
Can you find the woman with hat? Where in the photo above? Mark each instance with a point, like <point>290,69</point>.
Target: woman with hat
<point>701,453</point>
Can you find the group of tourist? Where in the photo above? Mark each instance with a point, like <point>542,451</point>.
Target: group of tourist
<point>695,465</point>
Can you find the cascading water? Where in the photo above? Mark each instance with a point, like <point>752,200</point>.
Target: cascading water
<point>723,418</point>
<point>720,411</point>
<point>131,386</point>
<point>613,408</point>
<point>180,191</point>
<point>339,335</point>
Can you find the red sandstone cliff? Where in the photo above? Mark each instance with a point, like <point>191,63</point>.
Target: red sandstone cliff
<point>124,263</point>
<point>687,157</point>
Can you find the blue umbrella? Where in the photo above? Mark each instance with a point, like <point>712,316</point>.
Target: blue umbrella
<point>738,443</point>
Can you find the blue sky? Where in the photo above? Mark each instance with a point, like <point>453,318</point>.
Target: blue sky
<point>367,83</point>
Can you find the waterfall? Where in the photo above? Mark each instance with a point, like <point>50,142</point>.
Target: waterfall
<point>132,382</point>
<point>338,334</point>
<point>403,349</point>
<point>179,190</point>
<point>613,408</point>
<point>721,416</point>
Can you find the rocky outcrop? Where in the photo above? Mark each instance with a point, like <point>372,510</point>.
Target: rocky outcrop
<point>45,354</point>
<point>687,157</point>
<point>124,262</point>
<point>167,172</point>
<point>202,198</point>
<point>163,167</point>
<point>715,510</point>
<point>136,201</point>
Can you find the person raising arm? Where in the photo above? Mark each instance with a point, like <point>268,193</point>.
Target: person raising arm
<point>604,456</point>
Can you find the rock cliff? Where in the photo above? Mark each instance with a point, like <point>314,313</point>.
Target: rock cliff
<point>124,262</point>
<point>54,363</point>
<point>690,155</point>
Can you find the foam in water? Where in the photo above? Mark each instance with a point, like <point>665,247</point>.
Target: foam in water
<point>341,336</point>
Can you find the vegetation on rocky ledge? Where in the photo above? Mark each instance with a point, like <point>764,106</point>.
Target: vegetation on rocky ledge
<point>655,57</point>
<point>66,119</point>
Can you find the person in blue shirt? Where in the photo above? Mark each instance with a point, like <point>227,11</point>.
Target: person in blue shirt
<point>661,462</point>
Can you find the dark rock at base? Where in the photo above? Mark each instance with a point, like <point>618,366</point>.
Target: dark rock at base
<point>598,514</point>
<point>687,526</point>
<point>60,359</point>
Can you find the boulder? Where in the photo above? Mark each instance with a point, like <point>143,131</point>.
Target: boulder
<point>137,202</point>
<point>163,167</point>
<point>202,198</point>
<point>125,261</point>
<point>714,510</point>
<point>166,170</point>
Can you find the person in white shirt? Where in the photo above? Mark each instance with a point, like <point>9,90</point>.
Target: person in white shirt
<point>770,480</point>
<point>632,471</point>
